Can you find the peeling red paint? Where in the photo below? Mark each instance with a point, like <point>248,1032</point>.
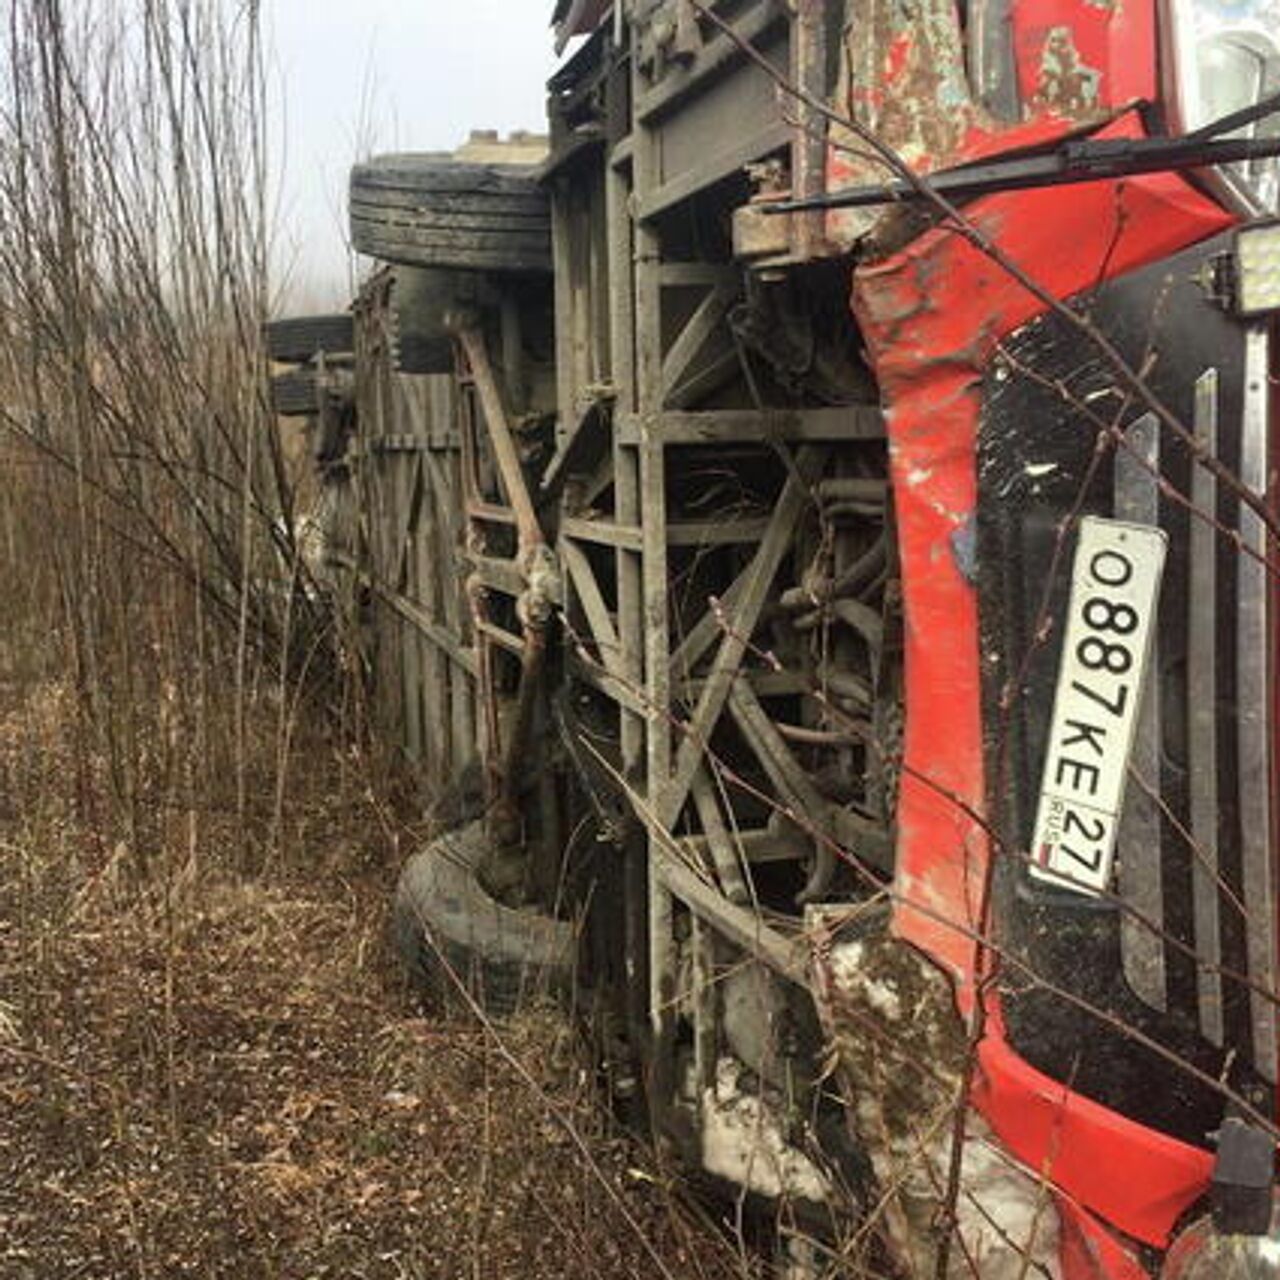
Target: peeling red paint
<point>1066,84</point>
<point>931,317</point>
<point>1118,41</point>
<point>1078,62</point>
<point>896,58</point>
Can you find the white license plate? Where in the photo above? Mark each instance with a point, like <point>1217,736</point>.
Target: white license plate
<point>1115,584</point>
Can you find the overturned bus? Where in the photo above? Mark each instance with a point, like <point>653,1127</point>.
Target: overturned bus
<point>810,519</point>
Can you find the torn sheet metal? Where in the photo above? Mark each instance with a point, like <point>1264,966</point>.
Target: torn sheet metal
<point>576,17</point>
<point>898,1048</point>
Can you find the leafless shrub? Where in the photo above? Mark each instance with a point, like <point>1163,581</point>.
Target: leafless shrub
<point>151,510</point>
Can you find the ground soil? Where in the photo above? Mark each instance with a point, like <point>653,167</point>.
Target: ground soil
<point>208,1071</point>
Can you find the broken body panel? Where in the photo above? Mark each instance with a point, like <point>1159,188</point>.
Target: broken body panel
<point>946,325</point>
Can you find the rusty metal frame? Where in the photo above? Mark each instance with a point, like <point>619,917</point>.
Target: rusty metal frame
<point>643,347</point>
<point>630,651</point>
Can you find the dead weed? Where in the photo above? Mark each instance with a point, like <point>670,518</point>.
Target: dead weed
<point>207,1075</point>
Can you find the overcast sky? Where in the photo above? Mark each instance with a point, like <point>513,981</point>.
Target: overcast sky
<point>354,76</point>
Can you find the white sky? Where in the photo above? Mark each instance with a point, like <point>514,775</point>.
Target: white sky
<point>351,77</point>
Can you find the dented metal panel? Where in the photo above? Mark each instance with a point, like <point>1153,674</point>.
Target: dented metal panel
<point>932,316</point>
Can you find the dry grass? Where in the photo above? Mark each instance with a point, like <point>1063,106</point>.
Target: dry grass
<point>207,1074</point>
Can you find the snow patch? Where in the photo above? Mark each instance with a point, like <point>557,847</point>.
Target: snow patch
<point>743,1141</point>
